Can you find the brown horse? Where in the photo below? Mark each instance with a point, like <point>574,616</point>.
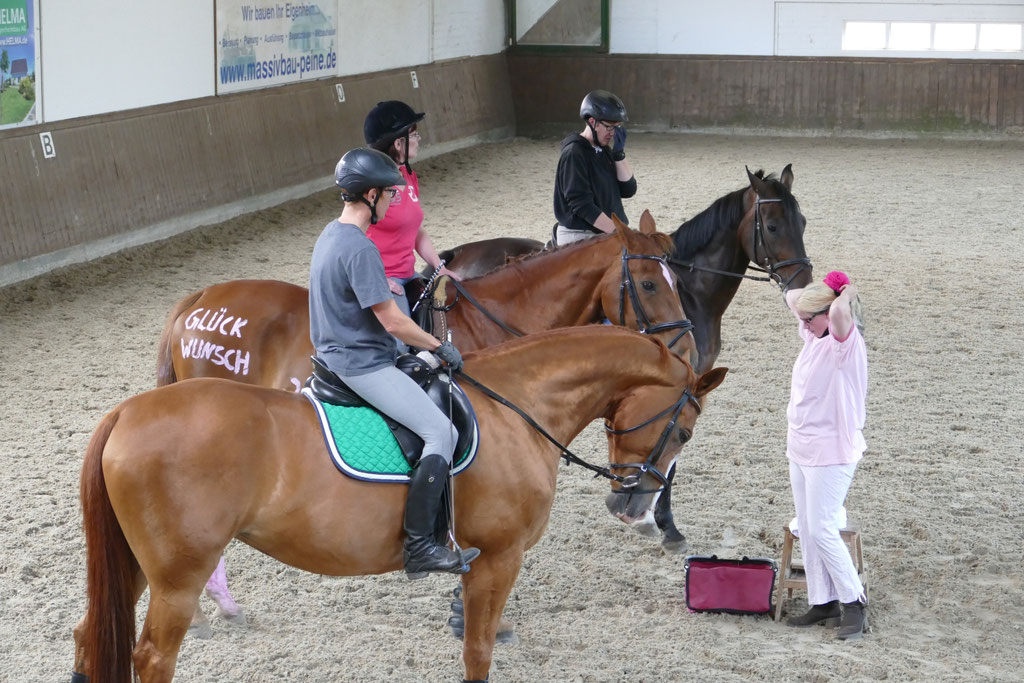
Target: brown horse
<point>257,331</point>
<point>474,259</point>
<point>172,475</point>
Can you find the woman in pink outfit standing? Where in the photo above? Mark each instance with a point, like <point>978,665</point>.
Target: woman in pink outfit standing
<point>390,127</point>
<point>824,444</point>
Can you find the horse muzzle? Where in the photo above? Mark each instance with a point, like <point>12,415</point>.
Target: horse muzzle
<point>634,510</point>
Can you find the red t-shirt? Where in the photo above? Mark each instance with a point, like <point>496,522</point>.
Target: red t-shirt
<point>395,236</point>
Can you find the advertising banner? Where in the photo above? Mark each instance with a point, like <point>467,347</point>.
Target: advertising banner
<point>261,43</point>
<point>19,87</point>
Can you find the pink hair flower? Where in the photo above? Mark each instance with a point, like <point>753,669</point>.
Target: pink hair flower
<point>836,279</point>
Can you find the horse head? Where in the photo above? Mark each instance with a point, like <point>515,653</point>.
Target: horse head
<point>773,232</point>
<point>646,430</point>
<point>640,292</point>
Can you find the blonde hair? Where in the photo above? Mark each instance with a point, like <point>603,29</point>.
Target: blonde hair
<point>818,297</point>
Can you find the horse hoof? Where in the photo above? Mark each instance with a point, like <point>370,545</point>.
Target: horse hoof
<point>645,528</point>
<point>236,618</point>
<point>674,546</point>
<point>201,630</point>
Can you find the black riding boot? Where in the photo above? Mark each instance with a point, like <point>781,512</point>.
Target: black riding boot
<point>854,621</point>
<point>827,614</point>
<point>422,553</point>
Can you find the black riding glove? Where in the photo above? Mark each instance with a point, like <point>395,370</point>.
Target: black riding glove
<point>450,355</point>
<point>619,144</point>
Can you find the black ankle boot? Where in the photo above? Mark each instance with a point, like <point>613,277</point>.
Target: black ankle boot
<point>422,553</point>
<point>854,621</point>
<point>827,614</point>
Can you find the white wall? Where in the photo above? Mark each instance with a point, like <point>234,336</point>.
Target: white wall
<point>672,27</point>
<point>816,28</point>
<point>777,27</point>
<point>109,55</point>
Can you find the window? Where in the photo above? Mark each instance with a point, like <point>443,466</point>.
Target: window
<point>932,36</point>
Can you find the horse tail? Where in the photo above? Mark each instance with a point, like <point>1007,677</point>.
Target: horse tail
<point>164,358</point>
<point>108,634</point>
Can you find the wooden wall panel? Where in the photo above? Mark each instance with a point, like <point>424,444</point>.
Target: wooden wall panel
<point>680,91</point>
<point>122,172</point>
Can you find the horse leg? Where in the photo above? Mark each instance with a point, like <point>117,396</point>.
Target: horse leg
<point>672,541</point>
<point>167,621</point>
<point>485,590</point>
<point>217,589</point>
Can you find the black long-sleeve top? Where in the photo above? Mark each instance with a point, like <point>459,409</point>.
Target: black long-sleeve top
<point>586,186</point>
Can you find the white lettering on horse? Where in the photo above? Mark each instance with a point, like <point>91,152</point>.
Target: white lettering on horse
<point>233,360</point>
<point>209,320</point>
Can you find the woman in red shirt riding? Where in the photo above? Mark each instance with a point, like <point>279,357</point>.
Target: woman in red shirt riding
<point>390,127</point>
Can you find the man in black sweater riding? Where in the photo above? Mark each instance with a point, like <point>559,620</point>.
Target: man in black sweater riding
<point>593,176</point>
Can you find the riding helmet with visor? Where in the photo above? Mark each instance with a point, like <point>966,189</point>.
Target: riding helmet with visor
<point>363,169</point>
<point>603,106</point>
<point>389,121</point>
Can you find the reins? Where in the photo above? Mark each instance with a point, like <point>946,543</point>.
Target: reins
<point>628,483</point>
<point>626,288</point>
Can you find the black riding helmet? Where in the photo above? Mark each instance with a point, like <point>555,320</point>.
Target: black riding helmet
<point>363,169</point>
<point>389,121</point>
<point>603,106</point>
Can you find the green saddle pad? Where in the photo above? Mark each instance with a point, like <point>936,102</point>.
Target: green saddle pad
<point>362,446</point>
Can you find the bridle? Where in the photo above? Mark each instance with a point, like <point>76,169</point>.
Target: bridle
<point>757,237</point>
<point>643,321</point>
<point>627,484</point>
<point>627,288</point>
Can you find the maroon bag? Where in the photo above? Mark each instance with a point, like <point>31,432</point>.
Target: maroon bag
<point>732,586</point>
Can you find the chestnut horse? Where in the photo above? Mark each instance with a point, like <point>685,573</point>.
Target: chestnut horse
<point>257,331</point>
<point>172,475</point>
<point>759,224</point>
<point>474,259</point>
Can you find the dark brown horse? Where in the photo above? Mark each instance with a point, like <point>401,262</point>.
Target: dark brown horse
<point>172,475</point>
<point>759,224</point>
<point>257,331</point>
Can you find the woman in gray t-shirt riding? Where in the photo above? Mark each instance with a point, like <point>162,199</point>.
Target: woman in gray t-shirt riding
<point>353,324</point>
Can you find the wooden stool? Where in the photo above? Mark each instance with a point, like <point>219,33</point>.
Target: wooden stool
<point>791,571</point>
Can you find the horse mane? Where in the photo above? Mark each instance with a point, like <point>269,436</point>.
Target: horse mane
<point>695,234</point>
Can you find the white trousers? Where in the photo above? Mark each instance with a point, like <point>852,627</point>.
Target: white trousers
<point>819,493</point>
<point>566,236</point>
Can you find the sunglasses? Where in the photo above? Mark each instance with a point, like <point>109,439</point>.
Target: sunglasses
<point>610,126</point>
<point>391,191</point>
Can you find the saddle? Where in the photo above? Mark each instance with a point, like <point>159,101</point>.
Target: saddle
<point>329,388</point>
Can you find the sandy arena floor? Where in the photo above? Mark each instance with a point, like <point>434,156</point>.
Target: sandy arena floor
<point>930,230</point>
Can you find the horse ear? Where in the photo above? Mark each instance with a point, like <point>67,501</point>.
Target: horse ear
<point>787,177</point>
<point>647,223</point>
<point>709,380</point>
<point>621,229</point>
<point>760,187</point>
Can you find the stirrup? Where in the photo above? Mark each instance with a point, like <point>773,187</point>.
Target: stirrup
<point>467,555</point>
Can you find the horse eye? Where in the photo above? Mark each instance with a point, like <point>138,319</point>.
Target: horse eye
<point>683,436</point>
<point>648,285</point>
<point>772,227</point>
